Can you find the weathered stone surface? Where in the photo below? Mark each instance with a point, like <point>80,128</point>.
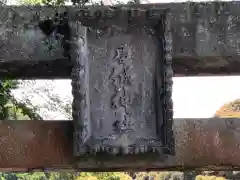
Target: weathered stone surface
<point>201,144</point>
<point>206,29</point>
<point>122,71</point>
<point>205,35</point>
<point>29,44</point>
<point>21,37</point>
<point>199,29</point>
<point>120,91</point>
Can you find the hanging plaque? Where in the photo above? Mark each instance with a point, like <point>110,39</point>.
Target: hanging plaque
<point>122,84</point>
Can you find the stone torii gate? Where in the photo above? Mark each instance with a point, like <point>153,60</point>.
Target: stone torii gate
<point>121,61</point>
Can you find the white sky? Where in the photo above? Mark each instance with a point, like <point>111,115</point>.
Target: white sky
<point>203,96</point>
<point>192,96</point>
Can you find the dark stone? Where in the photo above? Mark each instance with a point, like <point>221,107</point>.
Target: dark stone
<point>206,38</point>
<point>122,85</point>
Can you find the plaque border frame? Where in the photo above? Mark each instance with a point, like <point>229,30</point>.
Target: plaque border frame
<point>80,87</point>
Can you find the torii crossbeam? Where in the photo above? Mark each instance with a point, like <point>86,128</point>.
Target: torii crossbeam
<point>191,38</point>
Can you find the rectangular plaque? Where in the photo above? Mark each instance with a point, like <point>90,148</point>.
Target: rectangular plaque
<point>121,84</point>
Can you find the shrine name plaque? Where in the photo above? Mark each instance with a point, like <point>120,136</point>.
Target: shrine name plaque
<point>121,84</point>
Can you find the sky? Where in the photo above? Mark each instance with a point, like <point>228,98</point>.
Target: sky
<point>193,97</point>
<point>201,97</point>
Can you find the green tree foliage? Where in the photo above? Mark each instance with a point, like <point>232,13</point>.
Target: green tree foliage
<point>5,96</point>
<point>200,177</point>
<point>10,108</point>
<point>231,109</point>
<point>103,176</point>
<point>31,176</point>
